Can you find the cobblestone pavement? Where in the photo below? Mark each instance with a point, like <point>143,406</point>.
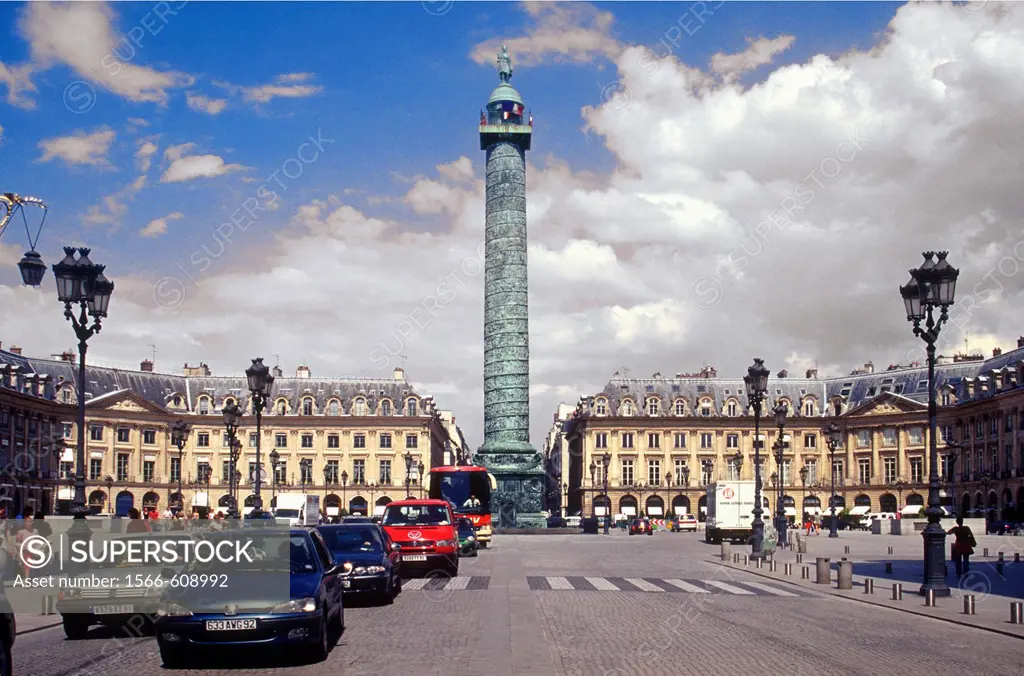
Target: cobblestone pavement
<point>496,624</point>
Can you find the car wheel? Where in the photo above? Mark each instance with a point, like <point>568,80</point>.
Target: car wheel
<point>322,647</point>
<point>76,629</point>
<point>483,545</point>
<point>172,658</point>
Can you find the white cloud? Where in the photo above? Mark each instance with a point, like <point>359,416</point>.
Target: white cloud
<point>79,148</point>
<point>82,36</point>
<point>19,83</point>
<point>188,167</point>
<point>144,155</point>
<point>287,85</point>
<point>205,104</point>
<point>665,262</point>
<point>158,226</point>
<point>759,52</point>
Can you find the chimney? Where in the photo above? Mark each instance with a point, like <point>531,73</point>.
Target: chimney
<point>1020,342</point>
<point>14,350</point>
<point>782,374</point>
<point>68,356</point>
<point>869,367</point>
<point>277,372</point>
<point>302,372</point>
<point>996,351</point>
<point>399,373</point>
<point>146,366</point>
<point>201,371</point>
<point>811,373</point>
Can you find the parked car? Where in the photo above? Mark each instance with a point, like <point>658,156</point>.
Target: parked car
<point>191,619</point>
<point>371,562</point>
<point>467,537</point>
<point>684,522</point>
<point>1003,528</point>
<point>425,529</point>
<point>556,522</point>
<point>640,526</point>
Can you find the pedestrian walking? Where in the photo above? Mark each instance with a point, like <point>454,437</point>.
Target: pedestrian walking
<point>963,546</point>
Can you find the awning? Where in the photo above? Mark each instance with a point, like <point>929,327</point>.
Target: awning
<point>813,511</point>
<point>600,511</point>
<point>333,511</point>
<point>65,493</point>
<point>629,510</point>
<point>655,510</point>
<point>860,511</point>
<point>911,509</point>
<point>201,500</point>
<point>378,510</point>
<point>790,511</point>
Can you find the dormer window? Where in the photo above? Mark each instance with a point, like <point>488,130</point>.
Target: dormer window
<point>411,408</point>
<point>228,402</point>
<point>307,406</point>
<point>359,407</point>
<point>602,407</point>
<point>731,409</point>
<point>627,408</point>
<point>705,408</point>
<point>332,408</point>
<point>204,406</point>
<point>680,407</point>
<point>385,408</point>
<point>282,407</point>
<point>809,408</point>
<point>653,407</point>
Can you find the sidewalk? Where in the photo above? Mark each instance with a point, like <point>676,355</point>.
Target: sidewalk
<point>29,622</point>
<point>993,593</point>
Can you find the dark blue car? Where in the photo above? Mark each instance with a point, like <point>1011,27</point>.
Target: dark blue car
<point>290,596</point>
<point>369,559</point>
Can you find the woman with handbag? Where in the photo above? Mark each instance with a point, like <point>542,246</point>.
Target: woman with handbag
<point>963,547</point>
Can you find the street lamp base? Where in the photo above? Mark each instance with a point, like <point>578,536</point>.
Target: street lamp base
<point>833,534</point>
<point>934,561</point>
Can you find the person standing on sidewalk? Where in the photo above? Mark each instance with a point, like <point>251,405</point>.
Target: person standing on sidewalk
<point>963,546</point>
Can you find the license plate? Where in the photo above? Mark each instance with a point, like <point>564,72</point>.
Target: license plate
<point>230,625</point>
<point>346,583</point>
<point>414,557</point>
<point>113,610</point>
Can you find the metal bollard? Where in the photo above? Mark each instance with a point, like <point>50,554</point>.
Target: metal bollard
<point>789,569</point>
<point>772,566</point>
<point>1000,557</point>
<point>869,586</point>
<point>969,604</point>
<point>49,605</point>
<point>844,579</point>
<point>801,546</point>
<point>1016,557</point>
<point>746,560</point>
<point>824,571</point>
<point>760,563</point>
<point>929,598</point>
<point>725,551</point>
<point>985,554</point>
<point>799,558</point>
<point>846,549</point>
<point>1016,612</point>
<point>805,573</point>
<point>897,591</point>
<point>999,567</point>
<point>888,567</point>
<point>890,551</point>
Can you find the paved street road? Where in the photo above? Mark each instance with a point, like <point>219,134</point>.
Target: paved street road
<point>591,606</point>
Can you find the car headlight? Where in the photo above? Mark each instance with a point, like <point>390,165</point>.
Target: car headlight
<point>446,543</point>
<point>173,610</point>
<point>471,538</point>
<point>373,570</point>
<point>306,605</point>
<point>361,570</point>
<point>346,568</point>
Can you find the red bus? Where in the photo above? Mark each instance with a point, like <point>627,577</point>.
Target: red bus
<point>468,488</point>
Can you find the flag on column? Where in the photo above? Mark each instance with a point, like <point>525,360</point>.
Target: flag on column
<point>514,108</point>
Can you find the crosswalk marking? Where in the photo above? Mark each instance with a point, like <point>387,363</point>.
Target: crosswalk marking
<point>769,589</point>
<point>601,584</point>
<point>727,587</point>
<point>643,584</point>
<point>687,587</point>
<point>417,583</point>
<point>457,583</point>
<point>559,583</point>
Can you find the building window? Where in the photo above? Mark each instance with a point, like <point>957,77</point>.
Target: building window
<point>946,432</point>
<point>204,406</point>
<point>252,439</point>
<point>175,469</point>
<point>627,408</point>
<point>332,407</point>
<point>864,470</point>
<point>837,471</point>
<point>705,439</point>
<point>680,465</point>
<point>917,469</point>
<point>359,471</point>
<point>979,431</point>
<point>331,472</point>
<point>203,440</point>
<point>282,407</point>
<point>810,441</point>
<point>385,408</point>
<point>863,438</point>
<point>627,440</point>
<point>307,407</point>
<point>280,440</point>
<point>598,477</point>
<point>305,471</point>
<point>733,469</point>
<point>889,466</point>
<point>148,470</point>
<point>680,439</point>
<point>812,471</point>
<point>68,427</point>
<point>96,433</point>
<point>1007,423</point>
<point>654,472</point>
<point>358,441</point>
<point>385,440</point>
<point>359,407</point>
<point>653,440</point>
<point>993,426</point>
<point>732,409</point>
<point>680,407</point>
<point>281,473</point>
<point>410,408</point>
<point>809,408</point>
<point>889,436</point>
<point>915,435</point>
<point>307,440</point>
<point>122,467</point>
<point>706,471</point>
<point>602,407</point>
<point>149,437</point>
<point>653,406</point>
<point>96,468</point>
<point>123,435</point>
<point>627,472</point>
<point>410,440</point>
<point>732,441</point>
<point>786,472</point>
<point>385,472</point>
<point>705,409</point>
<point>601,440</point>
<point>65,395</point>
<point>333,441</point>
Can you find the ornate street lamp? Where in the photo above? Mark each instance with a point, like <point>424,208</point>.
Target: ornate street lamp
<point>408,473</point>
<point>109,481</point>
<point>260,382</point>
<point>81,282</point>
<point>756,383</point>
<point>781,522</point>
<point>235,477</point>
<point>986,481</point>
<point>593,487</point>
<point>833,438</point>
<point>803,488</point>
<point>932,287</point>
<point>344,483</point>
<point>179,437</point>
<point>31,266</point>
<point>606,461</point>
<point>899,485</point>
<point>275,461</point>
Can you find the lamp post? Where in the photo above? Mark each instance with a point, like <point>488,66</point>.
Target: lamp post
<point>234,480</point>
<point>31,266</point>
<point>109,481</point>
<point>686,484</point>
<point>81,282</point>
<point>781,522</point>
<point>607,458</point>
<point>953,449</point>
<point>260,382</point>
<point>986,481</point>
<point>899,485</point>
<point>756,383</point>
<point>344,484</point>
<point>232,421</point>
<point>275,460</point>
<point>803,490</point>
<point>408,473</point>
<point>932,287</point>
<point>593,487</point>
<point>833,439</point>
<point>179,437</point>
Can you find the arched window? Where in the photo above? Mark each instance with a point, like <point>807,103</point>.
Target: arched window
<point>602,407</point>
<point>204,406</point>
<point>410,407</point>
<point>282,407</point>
<point>385,408</point>
<point>705,408</point>
<point>809,408</point>
<point>732,409</point>
<point>680,407</point>
<point>359,407</point>
<point>653,406</point>
<point>627,407</point>
<point>307,406</point>
<point>332,408</point>
<point>65,396</point>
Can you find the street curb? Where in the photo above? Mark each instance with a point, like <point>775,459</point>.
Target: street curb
<point>830,593</point>
<point>45,626</point>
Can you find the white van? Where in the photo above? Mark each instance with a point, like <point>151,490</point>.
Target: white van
<point>870,517</point>
<point>573,521</point>
<point>292,506</point>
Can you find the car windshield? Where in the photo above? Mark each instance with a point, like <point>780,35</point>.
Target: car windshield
<point>416,515</point>
<point>352,539</point>
<point>270,552</point>
<point>466,527</point>
<point>166,545</point>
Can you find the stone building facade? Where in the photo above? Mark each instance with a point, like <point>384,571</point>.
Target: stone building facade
<point>344,439</point>
<point>668,438</point>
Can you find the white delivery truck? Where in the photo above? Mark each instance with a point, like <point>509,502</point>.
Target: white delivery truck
<point>731,511</point>
<point>294,507</point>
